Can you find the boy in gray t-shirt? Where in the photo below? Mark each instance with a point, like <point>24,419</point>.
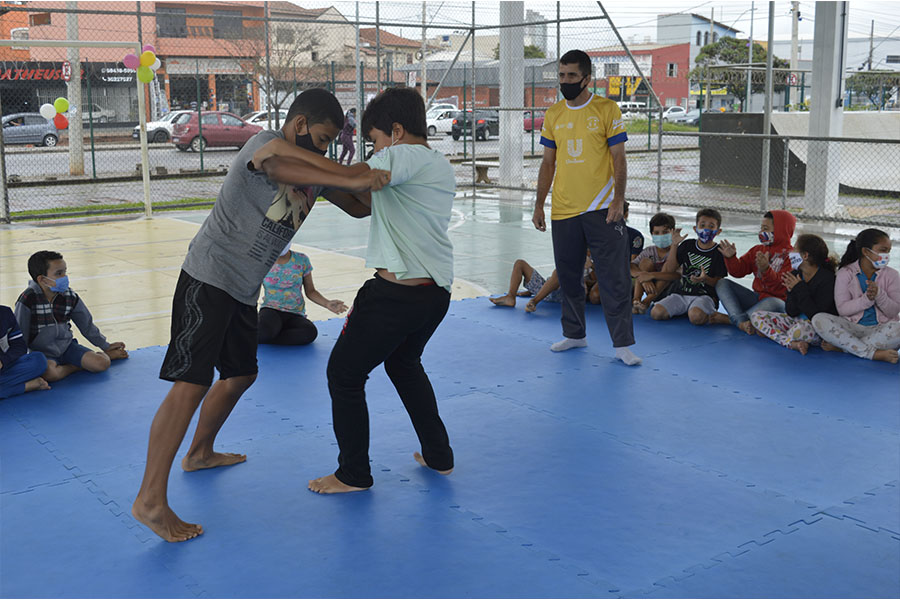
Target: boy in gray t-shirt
<point>214,318</point>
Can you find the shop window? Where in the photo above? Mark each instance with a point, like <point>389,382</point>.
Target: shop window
<point>672,70</point>
<point>227,24</point>
<point>171,22</point>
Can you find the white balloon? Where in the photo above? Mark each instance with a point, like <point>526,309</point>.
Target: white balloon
<point>156,64</point>
<point>47,111</point>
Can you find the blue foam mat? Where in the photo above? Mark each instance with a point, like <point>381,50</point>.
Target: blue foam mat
<point>576,476</point>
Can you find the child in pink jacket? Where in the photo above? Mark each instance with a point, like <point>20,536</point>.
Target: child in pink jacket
<point>867,295</point>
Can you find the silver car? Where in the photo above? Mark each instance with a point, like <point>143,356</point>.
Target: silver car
<point>29,128</point>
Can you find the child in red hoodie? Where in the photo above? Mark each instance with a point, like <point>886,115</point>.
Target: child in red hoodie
<point>768,261</point>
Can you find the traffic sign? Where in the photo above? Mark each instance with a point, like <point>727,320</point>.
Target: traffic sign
<point>793,79</point>
<point>66,71</point>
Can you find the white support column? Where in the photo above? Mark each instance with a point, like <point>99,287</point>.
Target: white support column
<point>73,91</point>
<point>512,90</point>
<point>827,111</point>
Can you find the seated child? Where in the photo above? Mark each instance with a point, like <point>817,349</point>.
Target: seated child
<point>44,311</point>
<point>542,289</point>
<point>702,266</point>
<point>20,371</point>
<point>867,295</point>
<point>646,267</point>
<point>810,291</point>
<point>282,317</point>
<point>768,261</point>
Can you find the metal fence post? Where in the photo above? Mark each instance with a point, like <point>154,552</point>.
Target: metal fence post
<point>91,117</point>
<point>784,173</point>
<point>4,202</point>
<point>200,112</point>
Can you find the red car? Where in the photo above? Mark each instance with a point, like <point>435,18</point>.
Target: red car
<point>219,129</point>
<point>537,122</point>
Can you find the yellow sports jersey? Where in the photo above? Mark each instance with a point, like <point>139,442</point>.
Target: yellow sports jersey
<point>582,137</point>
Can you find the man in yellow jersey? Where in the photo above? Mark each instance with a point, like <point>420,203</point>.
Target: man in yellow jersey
<point>584,145</point>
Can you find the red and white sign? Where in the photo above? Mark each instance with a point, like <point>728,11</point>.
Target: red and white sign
<point>793,79</point>
<point>66,71</point>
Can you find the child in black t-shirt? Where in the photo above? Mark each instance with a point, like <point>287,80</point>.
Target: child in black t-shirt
<point>702,266</point>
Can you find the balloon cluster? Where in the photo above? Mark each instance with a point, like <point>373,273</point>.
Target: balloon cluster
<point>55,112</point>
<point>146,64</point>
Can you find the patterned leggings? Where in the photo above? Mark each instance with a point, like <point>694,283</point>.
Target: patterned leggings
<point>784,329</point>
<point>859,340</point>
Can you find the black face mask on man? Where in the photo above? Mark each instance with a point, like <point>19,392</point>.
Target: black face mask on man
<point>570,91</point>
<point>305,141</point>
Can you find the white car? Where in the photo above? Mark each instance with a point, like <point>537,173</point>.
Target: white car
<point>159,131</point>
<point>100,115</point>
<point>266,120</point>
<point>673,112</point>
<point>440,121</point>
<point>442,106</point>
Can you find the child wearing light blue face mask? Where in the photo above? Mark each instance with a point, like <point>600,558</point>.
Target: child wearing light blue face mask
<point>650,283</point>
<point>45,311</point>
<point>867,295</point>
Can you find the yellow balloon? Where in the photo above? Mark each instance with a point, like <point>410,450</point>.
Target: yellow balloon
<point>61,105</point>
<point>147,58</point>
<point>145,74</point>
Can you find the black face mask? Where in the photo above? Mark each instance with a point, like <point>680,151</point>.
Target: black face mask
<point>570,91</point>
<point>305,142</point>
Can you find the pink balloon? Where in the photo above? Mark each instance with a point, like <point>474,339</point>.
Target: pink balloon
<point>148,48</point>
<point>131,61</point>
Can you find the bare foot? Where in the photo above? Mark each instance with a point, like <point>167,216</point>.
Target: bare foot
<point>886,355</point>
<point>747,327</point>
<point>829,347</point>
<point>531,306</point>
<point>717,318</point>
<point>165,523</point>
<point>218,459</point>
<point>524,294</point>
<point>801,347</point>
<point>504,301</point>
<point>117,354</point>
<point>421,460</point>
<point>638,307</point>
<point>38,383</point>
<point>332,485</point>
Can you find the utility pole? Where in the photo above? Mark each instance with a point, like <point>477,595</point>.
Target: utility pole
<point>712,17</point>
<point>871,41</point>
<point>424,84</point>
<point>795,30</point>
<point>749,92</point>
<point>73,90</point>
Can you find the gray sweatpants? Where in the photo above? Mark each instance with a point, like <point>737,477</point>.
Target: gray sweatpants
<point>608,243</point>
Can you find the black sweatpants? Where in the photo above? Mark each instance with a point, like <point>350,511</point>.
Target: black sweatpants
<point>608,243</point>
<point>285,328</point>
<point>389,323</point>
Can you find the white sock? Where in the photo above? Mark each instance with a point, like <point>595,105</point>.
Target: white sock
<point>567,343</point>
<point>628,357</point>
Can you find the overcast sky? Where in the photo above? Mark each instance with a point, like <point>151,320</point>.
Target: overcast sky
<point>631,17</point>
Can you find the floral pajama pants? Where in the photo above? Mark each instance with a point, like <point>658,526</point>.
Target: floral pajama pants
<point>859,340</point>
<point>784,329</point>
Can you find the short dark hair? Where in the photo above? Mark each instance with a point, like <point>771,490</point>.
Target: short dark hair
<point>711,213</point>
<point>577,57</point>
<point>401,105</point>
<point>318,105</point>
<point>39,262</point>
<point>662,219</point>
<point>769,215</point>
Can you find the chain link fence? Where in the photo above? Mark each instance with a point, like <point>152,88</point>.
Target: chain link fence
<point>229,70</point>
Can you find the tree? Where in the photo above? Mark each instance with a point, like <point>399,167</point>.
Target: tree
<point>877,86</point>
<point>531,51</point>
<point>733,51</point>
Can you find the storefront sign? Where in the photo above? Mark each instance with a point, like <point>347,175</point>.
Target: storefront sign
<point>117,75</point>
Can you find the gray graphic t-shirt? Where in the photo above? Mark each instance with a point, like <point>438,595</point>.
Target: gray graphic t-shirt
<point>250,224</point>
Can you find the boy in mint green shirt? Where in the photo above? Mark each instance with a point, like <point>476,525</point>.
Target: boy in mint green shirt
<point>395,313</point>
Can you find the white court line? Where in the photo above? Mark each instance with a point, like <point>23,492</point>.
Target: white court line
<point>133,316</point>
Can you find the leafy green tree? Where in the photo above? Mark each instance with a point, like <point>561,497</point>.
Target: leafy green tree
<point>877,86</point>
<point>733,51</point>
<point>531,51</point>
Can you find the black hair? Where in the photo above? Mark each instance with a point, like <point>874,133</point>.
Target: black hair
<point>817,251</point>
<point>401,105</point>
<point>769,215</point>
<point>577,57</point>
<point>39,262</point>
<point>662,219</point>
<point>318,105</point>
<point>711,213</point>
<point>866,238</point>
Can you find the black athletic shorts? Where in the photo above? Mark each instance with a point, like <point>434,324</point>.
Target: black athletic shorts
<point>210,329</point>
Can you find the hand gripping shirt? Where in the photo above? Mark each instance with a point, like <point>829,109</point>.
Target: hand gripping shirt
<point>582,136</point>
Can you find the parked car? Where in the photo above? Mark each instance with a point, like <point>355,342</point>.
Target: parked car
<point>673,112</point>
<point>487,123</point>
<point>442,106</point>
<point>100,115</point>
<point>631,110</point>
<point>29,128</point>
<point>691,117</point>
<point>159,131</point>
<point>439,121</point>
<point>266,120</point>
<point>219,129</point>
<point>535,122</point>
